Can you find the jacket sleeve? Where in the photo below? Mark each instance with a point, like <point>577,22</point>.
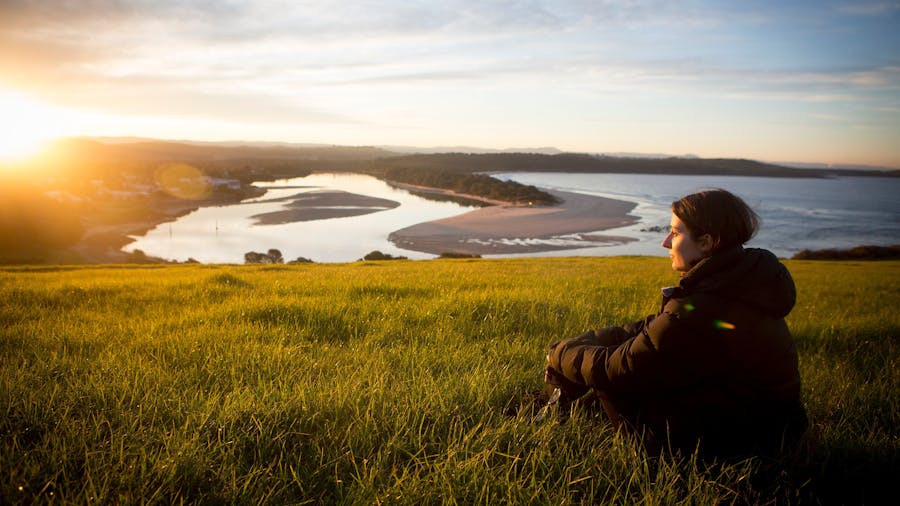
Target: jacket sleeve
<point>664,352</point>
<point>607,336</point>
<point>611,336</point>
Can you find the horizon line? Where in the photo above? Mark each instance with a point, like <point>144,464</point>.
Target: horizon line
<point>412,149</point>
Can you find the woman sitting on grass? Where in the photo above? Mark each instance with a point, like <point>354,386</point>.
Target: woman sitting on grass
<point>717,366</point>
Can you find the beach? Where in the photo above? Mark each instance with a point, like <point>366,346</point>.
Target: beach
<point>511,229</point>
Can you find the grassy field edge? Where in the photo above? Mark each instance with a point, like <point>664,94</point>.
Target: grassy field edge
<point>385,382</point>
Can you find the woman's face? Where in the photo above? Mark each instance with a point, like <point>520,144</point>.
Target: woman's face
<point>684,250</point>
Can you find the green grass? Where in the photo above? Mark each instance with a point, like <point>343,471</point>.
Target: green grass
<point>385,382</point>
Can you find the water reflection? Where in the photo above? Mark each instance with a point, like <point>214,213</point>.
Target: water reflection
<point>223,234</point>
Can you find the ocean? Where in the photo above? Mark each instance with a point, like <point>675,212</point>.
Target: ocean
<point>797,213</point>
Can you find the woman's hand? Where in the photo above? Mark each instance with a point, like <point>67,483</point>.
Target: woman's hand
<point>570,389</point>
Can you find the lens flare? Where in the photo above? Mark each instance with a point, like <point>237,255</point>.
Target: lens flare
<point>721,324</point>
<point>182,181</point>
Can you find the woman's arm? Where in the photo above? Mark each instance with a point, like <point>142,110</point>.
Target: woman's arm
<point>592,339</point>
<point>666,351</point>
<point>607,336</point>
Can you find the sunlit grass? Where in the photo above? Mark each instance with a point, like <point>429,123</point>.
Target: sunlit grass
<point>385,382</point>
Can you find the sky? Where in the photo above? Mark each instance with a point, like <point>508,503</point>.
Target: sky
<point>784,81</point>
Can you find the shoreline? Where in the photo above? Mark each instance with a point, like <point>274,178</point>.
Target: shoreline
<point>498,228</point>
<point>511,229</point>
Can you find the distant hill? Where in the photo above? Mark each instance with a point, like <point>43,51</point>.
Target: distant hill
<point>582,163</point>
<point>105,156</point>
<point>827,166</point>
<point>85,158</point>
<point>200,151</point>
<point>469,150</point>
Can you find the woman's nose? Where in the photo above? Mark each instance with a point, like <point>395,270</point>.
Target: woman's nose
<point>667,242</point>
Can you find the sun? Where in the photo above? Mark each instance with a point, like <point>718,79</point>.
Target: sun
<point>28,126</point>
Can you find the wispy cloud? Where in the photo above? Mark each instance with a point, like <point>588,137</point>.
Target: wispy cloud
<point>869,8</point>
<point>246,45</point>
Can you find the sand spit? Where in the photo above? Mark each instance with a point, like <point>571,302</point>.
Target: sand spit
<point>324,204</point>
<point>510,229</point>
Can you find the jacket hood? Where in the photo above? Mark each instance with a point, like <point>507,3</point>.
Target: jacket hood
<point>753,276</point>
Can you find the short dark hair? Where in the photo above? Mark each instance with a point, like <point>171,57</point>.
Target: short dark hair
<point>727,219</point>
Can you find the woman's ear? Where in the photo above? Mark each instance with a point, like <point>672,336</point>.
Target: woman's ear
<point>706,243</point>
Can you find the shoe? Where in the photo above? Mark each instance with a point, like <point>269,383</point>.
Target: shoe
<point>528,403</point>
<point>554,401</point>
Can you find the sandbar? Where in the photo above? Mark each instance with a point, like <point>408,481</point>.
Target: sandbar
<point>511,229</point>
<point>324,204</point>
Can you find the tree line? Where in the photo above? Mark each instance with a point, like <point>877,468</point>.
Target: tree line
<point>479,185</point>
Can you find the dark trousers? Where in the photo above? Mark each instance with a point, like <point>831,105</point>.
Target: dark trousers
<point>769,429</point>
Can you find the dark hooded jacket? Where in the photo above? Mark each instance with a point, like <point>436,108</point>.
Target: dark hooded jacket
<point>717,366</point>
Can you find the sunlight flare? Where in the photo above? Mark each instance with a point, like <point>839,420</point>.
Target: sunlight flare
<point>30,126</point>
<point>182,181</point>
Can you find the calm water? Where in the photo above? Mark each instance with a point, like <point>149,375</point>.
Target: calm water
<point>223,234</point>
<point>796,213</point>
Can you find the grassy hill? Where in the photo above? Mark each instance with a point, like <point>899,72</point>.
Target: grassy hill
<point>385,382</point>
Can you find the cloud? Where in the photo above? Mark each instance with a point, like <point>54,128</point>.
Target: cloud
<point>109,12</point>
<point>341,63</point>
<point>869,8</point>
<point>107,51</point>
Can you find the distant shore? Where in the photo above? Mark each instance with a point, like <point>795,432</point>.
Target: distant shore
<point>511,229</point>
